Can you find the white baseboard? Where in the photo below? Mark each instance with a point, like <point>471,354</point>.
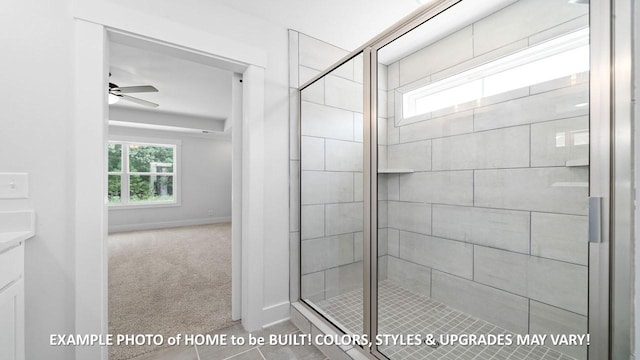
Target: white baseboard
<point>168,224</point>
<point>274,314</point>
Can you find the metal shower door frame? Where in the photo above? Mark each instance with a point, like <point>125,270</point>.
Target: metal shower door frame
<point>604,294</point>
<point>600,174</point>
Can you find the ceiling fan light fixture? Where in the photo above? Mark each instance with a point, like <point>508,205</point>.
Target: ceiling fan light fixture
<point>113,99</point>
<point>117,93</point>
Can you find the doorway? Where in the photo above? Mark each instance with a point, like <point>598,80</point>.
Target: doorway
<point>169,192</point>
<point>91,210</point>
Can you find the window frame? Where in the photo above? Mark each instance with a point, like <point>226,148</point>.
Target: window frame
<point>478,74</point>
<point>125,174</point>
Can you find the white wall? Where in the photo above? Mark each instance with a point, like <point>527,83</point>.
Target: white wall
<point>204,181</point>
<point>37,137</point>
<point>38,133</point>
<point>226,22</point>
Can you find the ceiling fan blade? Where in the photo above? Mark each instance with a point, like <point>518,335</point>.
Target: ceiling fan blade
<point>136,89</point>
<point>139,101</point>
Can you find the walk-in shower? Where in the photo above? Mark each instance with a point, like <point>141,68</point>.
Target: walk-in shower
<point>445,181</point>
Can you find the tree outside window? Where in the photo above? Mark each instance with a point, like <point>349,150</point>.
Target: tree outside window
<point>141,173</point>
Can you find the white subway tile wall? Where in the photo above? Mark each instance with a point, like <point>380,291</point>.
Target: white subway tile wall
<point>414,217</point>
<point>454,124</point>
<point>523,19</point>
<point>496,306</point>
<point>453,49</point>
<point>312,221</point>
<point>342,279</point>
<point>546,319</point>
<point>560,237</point>
<point>415,155</point>
<point>332,181</point>
<point>438,187</point>
<point>483,150</point>
<point>453,257</point>
<point>326,252</point>
<point>492,221</point>
<point>413,277</point>
<point>497,228</point>
<point>313,286</point>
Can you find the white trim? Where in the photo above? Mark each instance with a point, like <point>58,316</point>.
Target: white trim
<point>236,195</point>
<point>228,122</point>
<point>274,314</point>
<point>145,140</point>
<point>90,225</point>
<point>91,130</point>
<point>126,22</point>
<point>144,205</point>
<point>277,322</point>
<point>168,224</point>
<point>253,206</point>
<point>137,125</point>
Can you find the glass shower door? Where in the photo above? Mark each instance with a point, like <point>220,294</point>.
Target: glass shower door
<point>332,214</point>
<point>483,181</point>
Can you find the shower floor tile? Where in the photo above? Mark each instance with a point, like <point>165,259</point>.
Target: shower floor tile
<point>403,312</point>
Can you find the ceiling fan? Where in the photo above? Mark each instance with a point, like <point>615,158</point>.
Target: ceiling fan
<point>117,93</point>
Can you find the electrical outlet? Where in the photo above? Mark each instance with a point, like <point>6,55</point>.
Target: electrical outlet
<point>14,185</point>
<point>210,212</point>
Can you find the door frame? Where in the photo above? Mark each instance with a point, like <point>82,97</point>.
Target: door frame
<point>622,94</point>
<point>93,26</point>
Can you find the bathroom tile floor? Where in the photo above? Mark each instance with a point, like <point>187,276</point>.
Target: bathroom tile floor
<point>244,352</point>
<point>403,312</point>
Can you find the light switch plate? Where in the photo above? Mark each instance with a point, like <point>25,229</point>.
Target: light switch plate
<point>14,185</point>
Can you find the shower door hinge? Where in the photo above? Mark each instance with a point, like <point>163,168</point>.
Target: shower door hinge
<point>595,219</point>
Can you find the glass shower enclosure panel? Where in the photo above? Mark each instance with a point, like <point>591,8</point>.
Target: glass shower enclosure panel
<point>483,179</point>
<point>332,213</point>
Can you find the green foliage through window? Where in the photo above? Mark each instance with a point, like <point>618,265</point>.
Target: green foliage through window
<point>115,157</point>
<point>115,189</point>
<point>145,158</point>
<point>147,170</point>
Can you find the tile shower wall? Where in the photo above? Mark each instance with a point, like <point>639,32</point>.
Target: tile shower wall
<point>493,220</point>
<point>329,232</point>
<point>332,165</point>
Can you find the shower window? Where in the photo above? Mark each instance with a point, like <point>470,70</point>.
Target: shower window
<point>557,58</point>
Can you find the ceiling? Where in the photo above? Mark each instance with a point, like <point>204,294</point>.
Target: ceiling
<point>184,87</point>
<point>202,91</point>
<point>346,24</point>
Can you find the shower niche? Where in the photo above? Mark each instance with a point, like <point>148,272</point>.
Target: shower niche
<point>449,161</point>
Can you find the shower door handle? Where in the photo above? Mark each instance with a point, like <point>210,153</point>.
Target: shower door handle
<point>595,219</point>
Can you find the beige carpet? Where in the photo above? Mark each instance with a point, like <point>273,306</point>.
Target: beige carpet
<point>169,281</point>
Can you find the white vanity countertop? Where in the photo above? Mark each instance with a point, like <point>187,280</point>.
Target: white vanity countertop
<point>16,226</point>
